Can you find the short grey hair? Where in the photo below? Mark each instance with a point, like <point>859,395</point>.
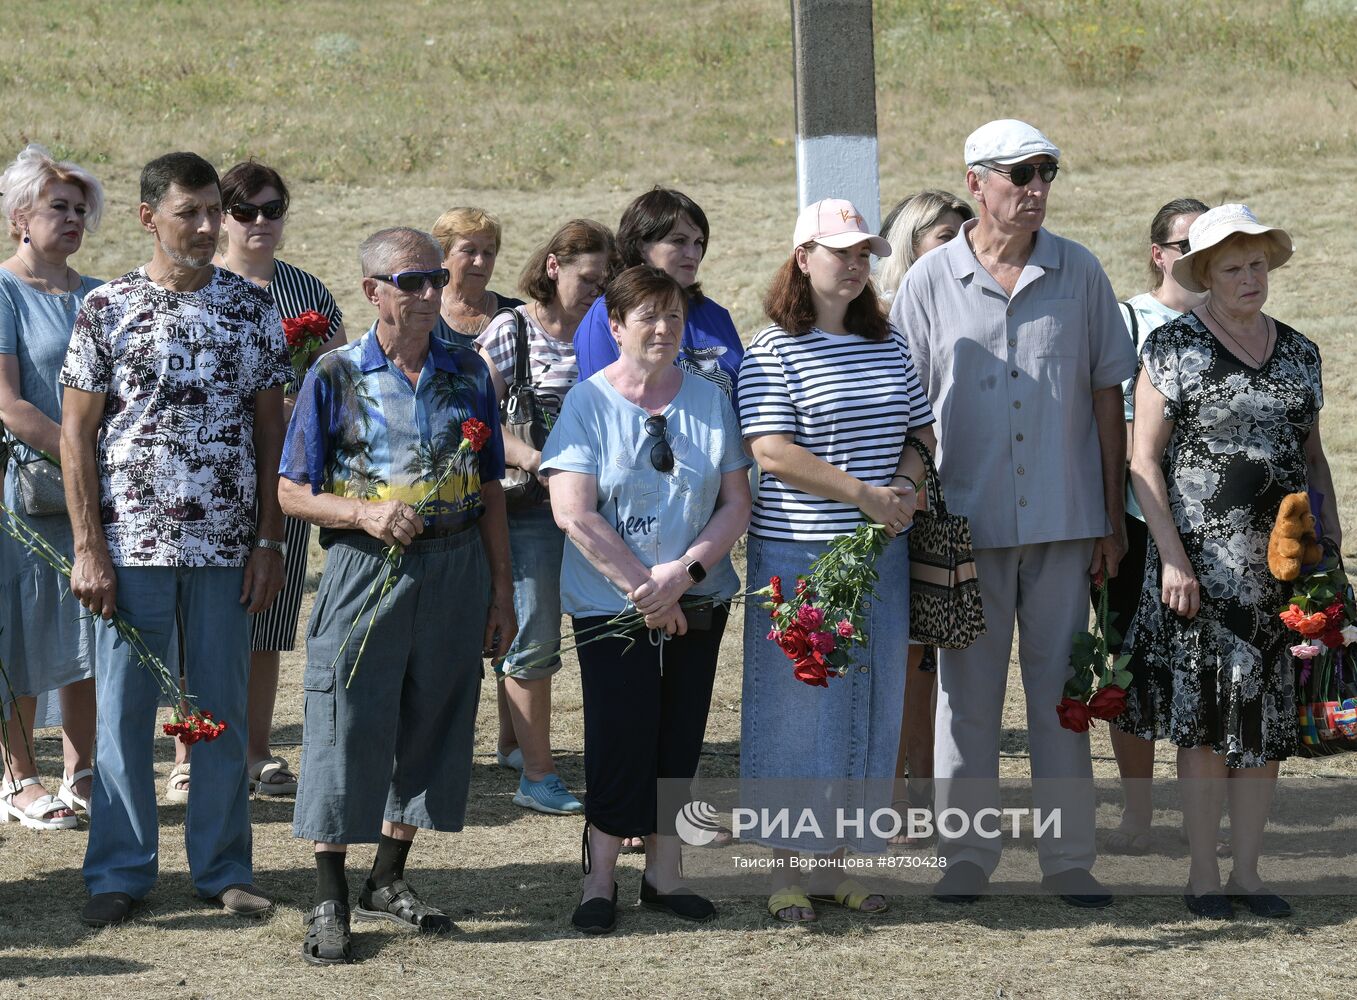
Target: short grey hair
<point>379,253</point>
<point>32,170</point>
<point>982,169</point>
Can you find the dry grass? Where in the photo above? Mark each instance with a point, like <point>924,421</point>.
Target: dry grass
<point>389,113</point>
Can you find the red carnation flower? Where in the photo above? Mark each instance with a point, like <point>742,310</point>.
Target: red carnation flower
<point>476,433</point>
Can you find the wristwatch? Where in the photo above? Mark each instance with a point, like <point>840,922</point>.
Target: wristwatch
<point>272,546</point>
<point>696,571</point>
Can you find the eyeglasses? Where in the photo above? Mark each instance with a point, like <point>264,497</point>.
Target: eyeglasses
<point>661,455</point>
<point>1182,246</point>
<point>414,281</point>
<point>243,211</point>
<point>1022,174</point>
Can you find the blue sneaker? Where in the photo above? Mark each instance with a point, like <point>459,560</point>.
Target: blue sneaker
<point>548,796</point>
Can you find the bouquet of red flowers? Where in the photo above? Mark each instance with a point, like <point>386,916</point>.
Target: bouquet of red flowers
<point>821,623</point>
<point>1091,659</point>
<point>304,334</point>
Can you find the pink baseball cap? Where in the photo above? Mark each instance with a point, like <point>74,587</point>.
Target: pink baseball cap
<point>835,223</point>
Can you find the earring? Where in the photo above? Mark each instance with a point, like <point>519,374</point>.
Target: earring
<point>26,239</point>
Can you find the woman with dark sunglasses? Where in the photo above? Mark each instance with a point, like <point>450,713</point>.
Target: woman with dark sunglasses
<point>562,279</point>
<point>1144,313</point>
<point>649,482</point>
<point>255,202</point>
<point>828,397</point>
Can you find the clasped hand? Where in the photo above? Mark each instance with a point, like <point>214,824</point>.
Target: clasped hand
<point>657,598</point>
<point>890,506</point>
<point>394,522</point>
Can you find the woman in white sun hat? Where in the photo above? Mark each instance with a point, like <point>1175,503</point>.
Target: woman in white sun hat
<point>1227,423</point>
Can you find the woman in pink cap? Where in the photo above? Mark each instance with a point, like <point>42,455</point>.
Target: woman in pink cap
<point>827,395</point>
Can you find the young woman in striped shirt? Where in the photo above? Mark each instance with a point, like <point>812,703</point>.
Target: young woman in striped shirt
<point>827,396</point>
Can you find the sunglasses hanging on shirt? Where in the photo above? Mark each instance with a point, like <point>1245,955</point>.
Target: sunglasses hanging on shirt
<point>661,455</point>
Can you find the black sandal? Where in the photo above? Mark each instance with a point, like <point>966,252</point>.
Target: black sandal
<point>327,940</point>
<point>398,904</point>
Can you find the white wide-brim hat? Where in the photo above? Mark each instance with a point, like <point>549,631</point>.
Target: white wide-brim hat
<point>1213,227</point>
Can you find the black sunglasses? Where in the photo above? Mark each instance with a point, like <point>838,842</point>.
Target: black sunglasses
<point>413,281</point>
<point>243,211</point>
<point>1182,246</point>
<point>661,455</point>
<point>1022,174</point>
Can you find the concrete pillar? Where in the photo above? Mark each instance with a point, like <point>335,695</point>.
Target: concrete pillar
<point>835,85</point>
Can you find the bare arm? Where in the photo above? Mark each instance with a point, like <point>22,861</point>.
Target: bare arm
<point>668,581</point>
<point>501,624</point>
<point>573,504</point>
<point>92,579</point>
<point>779,455</point>
<point>1317,472</point>
<point>24,420</point>
<point>264,574</point>
<point>1109,411</point>
<point>391,521</point>
<point>1180,590</point>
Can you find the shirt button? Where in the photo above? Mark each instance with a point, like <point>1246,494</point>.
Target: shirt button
<point>1014,374</point>
<point>1012,342</point>
<point>1017,404</point>
<point>1022,471</point>
<point>1010,312</point>
<point>1018,437</point>
<point>1022,501</point>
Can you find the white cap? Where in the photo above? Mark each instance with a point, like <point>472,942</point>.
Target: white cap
<point>834,222</point>
<point>1007,141</point>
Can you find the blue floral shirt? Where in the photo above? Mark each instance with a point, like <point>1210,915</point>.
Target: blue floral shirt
<point>360,429</point>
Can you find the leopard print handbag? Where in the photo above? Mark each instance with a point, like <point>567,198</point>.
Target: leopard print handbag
<point>944,591</point>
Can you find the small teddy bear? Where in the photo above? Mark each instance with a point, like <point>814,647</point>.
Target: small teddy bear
<point>1293,543</point>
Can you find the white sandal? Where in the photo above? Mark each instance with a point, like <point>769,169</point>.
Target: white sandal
<point>67,791</point>
<point>177,784</point>
<point>263,773</point>
<point>34,816</point>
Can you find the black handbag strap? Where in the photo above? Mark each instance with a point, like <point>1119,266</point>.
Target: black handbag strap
<point>520,344</point>
<point>932,483</point>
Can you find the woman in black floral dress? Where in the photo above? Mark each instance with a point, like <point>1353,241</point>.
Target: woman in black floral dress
<point>1227,408</point>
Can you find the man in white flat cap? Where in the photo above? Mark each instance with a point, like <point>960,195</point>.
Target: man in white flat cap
<point>1022,353</point>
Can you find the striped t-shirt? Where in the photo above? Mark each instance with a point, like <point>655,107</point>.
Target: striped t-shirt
<point>847,400</point>
<point>552,368</point>
<point>295,291</point>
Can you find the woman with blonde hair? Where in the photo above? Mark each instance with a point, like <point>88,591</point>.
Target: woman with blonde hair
<point>47,639</point>
<point>918,224</point>
<point>470,238</point>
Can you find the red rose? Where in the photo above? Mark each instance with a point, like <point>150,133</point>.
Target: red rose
<point>1332,637</point>
<point>811,670</point>
<point>1073,714</point>
<point>776,587</point>
<point>795,643</point>
<point>1107,703</point>
<point>1334,613</point>
<point>476,433</point>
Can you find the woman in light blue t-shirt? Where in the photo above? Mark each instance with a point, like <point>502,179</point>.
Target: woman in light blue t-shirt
<point>648,481</point>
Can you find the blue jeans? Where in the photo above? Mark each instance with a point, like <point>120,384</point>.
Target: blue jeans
<point>123,838</point>
<point>537,547</point>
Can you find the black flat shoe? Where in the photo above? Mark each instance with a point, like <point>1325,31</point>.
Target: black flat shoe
<point>597,915</point>
<point>1210,905</point>
<point>1078,887</point>
<point>1260,902</point>
<point>105,909</point>
<point>685,903</point>
<point>962,882</point>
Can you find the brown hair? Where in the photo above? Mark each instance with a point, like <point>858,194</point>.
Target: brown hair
<point>789,304</point>
<point>641,284</point>
<point>1162,223</point>
<point>247,179</point>
<point>572,241</point>
<point>649,219</point>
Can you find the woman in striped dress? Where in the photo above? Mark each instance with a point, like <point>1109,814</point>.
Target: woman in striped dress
<point>827,395</point>
<point>255,200</point>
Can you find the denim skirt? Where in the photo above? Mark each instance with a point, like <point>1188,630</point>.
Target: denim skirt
<point>827,747</point>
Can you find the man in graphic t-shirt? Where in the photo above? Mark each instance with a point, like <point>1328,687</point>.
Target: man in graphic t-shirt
<point>171,429</point>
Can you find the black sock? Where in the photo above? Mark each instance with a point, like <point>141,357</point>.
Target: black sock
<point>389,864</point>
<point>330,880</point>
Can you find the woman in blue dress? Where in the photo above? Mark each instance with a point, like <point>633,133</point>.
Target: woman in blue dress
<point>46,639</point>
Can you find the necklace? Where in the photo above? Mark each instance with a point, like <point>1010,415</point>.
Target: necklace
<point>65,293</point>
<point>466,327</point>
<point>1267,337</point>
